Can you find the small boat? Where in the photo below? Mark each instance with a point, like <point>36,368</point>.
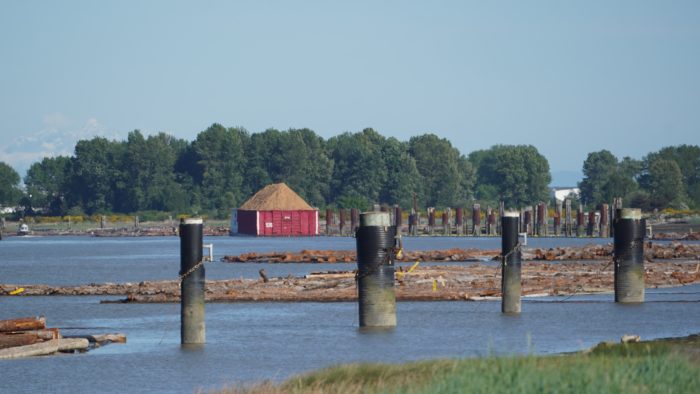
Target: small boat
<point>23,229</point>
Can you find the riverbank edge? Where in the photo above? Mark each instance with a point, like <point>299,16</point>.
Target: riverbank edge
<point>658,365</point>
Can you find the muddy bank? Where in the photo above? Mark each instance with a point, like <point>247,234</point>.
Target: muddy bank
<point>468,282</point>
<point>589,252</point>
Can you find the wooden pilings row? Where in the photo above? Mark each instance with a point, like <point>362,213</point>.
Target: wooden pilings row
<point>535,220</point>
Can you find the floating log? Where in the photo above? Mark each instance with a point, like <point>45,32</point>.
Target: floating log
<point>101,339</point>
<point>23,324</point>
<point>19,339</point>
<point>36,349</point>
<point>73,344</point>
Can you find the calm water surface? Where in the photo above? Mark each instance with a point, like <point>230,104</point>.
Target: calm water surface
<point>252,341</point>
<point>83,260</point>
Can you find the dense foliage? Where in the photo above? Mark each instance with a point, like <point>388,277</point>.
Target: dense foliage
<point>223,166</point>
<point>669,178</point>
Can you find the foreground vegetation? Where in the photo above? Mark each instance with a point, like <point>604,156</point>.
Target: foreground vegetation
<point>645,367</point>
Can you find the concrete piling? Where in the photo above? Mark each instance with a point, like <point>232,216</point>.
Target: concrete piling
<point>628,255</point>
<point>192,329</point>
<point>376,240</point>
<point>510,263</point>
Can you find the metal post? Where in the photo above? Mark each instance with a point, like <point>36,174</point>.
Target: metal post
<point>192,282</point>
<point>628,255</point>
<point>376,240</point>
<point>510,263</point>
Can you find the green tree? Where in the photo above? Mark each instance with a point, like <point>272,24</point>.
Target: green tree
<point>666,186</point>
<point>98,180</point>
<point>150,182</point>
<point>10,192</point>
<point>220,168</point>
<point>48,182</point>
<point>296,157</point>
<point>359,171</point>
<point>597,170</point>
<point>519,173</point>
<point>403,178</point>
<point>687,157</point>
<point>446,175</point>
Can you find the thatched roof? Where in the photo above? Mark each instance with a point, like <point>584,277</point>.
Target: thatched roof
<point>275,197</point>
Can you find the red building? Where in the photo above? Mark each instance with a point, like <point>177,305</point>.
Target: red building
<point>276,210</point>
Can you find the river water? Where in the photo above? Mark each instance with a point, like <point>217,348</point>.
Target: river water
<point>248,342</point>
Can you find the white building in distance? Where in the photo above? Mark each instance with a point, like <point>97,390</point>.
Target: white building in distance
<point>561,193</point>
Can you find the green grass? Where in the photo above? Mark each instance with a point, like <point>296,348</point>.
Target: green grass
<point>647,367</point>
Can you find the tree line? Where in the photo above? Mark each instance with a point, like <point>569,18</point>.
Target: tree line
<point>668,178</point>
<point>222,167</point>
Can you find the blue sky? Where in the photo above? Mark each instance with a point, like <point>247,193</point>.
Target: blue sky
<point>567,77</point>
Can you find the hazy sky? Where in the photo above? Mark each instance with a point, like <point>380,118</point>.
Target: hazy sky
<point>567,77</point>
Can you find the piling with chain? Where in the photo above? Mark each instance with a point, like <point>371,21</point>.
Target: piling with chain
<point>510,263</point>
<point>192,282</point>
<point>376,241</point>
<point>628,255</point>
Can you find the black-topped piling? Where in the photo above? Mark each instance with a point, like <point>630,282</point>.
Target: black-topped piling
<point>628,255</point>
<point>192,282</point>
<point>510,263</point>
<point>376,240</point>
